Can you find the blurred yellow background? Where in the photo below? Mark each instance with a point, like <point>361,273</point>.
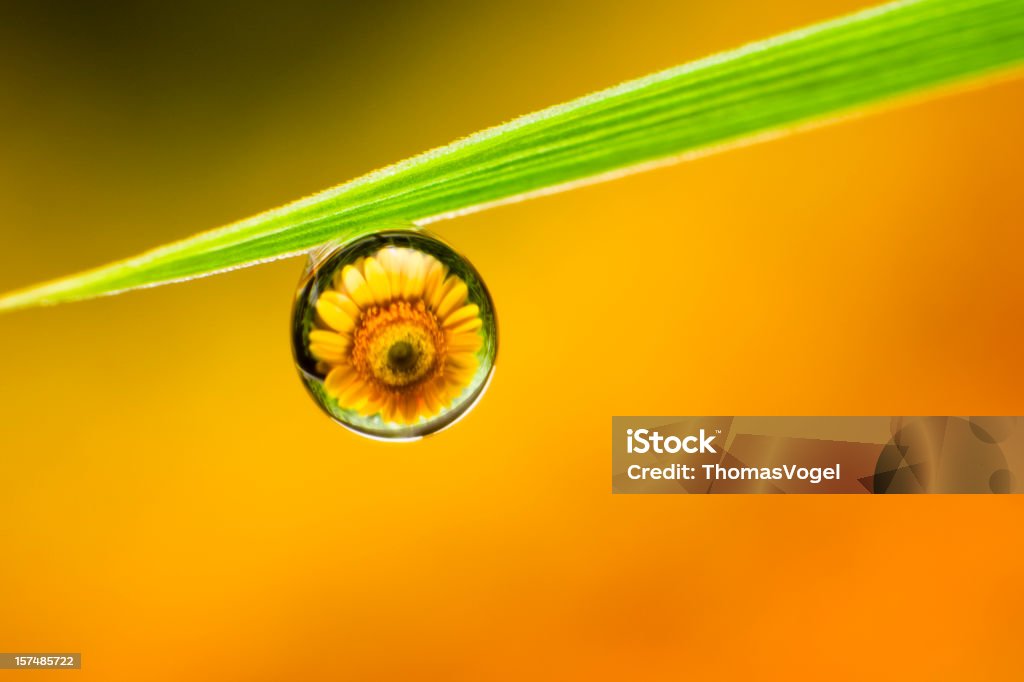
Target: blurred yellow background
<point>174,505</point>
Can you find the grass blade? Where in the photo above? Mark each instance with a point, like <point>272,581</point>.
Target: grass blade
<point>808,75</point>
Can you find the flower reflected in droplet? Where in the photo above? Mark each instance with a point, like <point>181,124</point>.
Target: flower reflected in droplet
<point>396,334</point>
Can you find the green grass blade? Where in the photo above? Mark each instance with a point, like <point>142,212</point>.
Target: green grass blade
<point>808,75</point>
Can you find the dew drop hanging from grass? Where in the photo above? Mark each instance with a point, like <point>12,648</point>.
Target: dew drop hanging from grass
<point>394,334</point>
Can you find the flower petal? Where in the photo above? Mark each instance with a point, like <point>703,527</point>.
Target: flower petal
<point>409,409</point>
<point>329,338</point>
<point>355,395</point>
<point>432,280</point>
<point>415,270</point>
<point>392,259</point>
<point>343,302</point>
<point>372,405</point>
<point>339,279</point>
<point>328,354</point>
<point>455,297</point>
<point>339,379</point>
<point>389,410</point>
<point>444,391</point>
<point>462,361</point>
<point>464,343</point>
<point>377,280</point>
<point>328,346</point>
<point>356,287</point>
<point>466,312</point>
<point>457,379</point>
<point>440,291</point>
<point>333,309</point>
<point>466,327</point>
<point>431,400</point>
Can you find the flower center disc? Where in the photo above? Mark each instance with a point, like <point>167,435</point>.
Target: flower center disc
<point>398,345</point>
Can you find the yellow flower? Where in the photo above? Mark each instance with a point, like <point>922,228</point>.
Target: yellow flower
<point>395,334</point>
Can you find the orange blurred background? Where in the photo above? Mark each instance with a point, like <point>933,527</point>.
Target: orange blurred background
<point>174,505</point>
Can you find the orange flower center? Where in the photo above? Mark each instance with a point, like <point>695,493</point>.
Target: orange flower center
<point>398,346</point>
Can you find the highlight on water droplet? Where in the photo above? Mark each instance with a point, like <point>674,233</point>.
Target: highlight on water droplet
<point>394,334</point>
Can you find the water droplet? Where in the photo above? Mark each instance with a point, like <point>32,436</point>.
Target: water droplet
<point>394,334</point>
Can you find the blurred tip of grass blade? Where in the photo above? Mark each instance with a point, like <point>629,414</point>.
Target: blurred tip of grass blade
<point>800,78</point>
